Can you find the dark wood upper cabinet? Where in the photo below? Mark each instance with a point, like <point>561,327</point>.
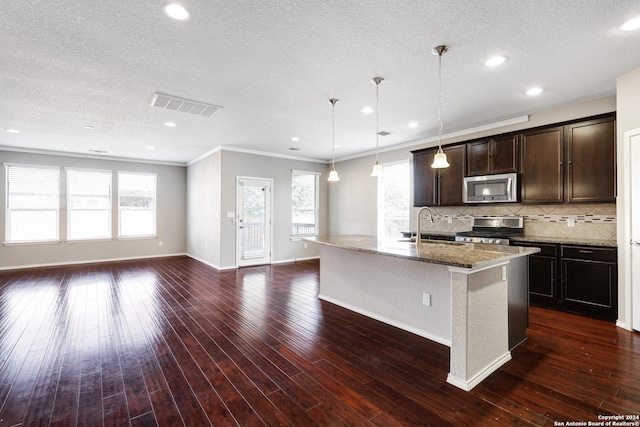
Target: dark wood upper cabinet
<point>591,161</point>
<point>495,155</point>
<point>451,179</point>
<point>433,187</point>
<point>566,163</point>
<point>542,166</point>
<point>424,179</point>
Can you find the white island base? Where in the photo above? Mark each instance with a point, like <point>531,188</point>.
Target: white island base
<point>468,308</point>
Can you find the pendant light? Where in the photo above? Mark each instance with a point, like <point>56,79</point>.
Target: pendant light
<point>377,168</point>
<point>440,159</point>
<point>333,175</point>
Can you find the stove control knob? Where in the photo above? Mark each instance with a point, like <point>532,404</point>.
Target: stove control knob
<point>497,241</point>
<point>490,241</point>
<point>467,239</point>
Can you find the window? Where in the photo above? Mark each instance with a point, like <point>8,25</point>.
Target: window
<point>88,204</point>
<point>304,203</point>
<point>393,200</point>
<point>33,203</point>
<point>137,204</point>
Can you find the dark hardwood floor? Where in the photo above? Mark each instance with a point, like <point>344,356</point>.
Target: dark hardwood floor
<point>174,342</point>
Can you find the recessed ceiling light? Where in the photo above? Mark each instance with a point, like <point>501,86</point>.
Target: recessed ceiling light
<point>495,61</point>
<point>88,127</point>
<point>534,91</point>
<point>630,25</point>
<point>175,11</point>
<point>336,146</point>
<point>295,138</point>
<point>413,125</point>
<point>170,124</point>
<point>367,110</point>
<point>150,147</point>
<point>12,130</point>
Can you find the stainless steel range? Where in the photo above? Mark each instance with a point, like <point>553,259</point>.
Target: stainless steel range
<point>492,229</point>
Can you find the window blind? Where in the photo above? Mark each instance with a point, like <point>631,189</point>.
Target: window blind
<point>88,204</point>
<point>136,204</point>
<point>33,203</point>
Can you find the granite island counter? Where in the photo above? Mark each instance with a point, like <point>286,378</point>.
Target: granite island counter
<point>470,297</point>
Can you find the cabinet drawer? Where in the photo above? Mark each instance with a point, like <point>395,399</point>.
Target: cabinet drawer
<point>589,253</point>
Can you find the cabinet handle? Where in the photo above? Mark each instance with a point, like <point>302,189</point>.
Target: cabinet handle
<point>583,251</point>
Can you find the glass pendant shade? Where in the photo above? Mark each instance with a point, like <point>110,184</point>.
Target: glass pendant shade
<point>377,170</point>
<point>333,176</point>
<point>440,160</point>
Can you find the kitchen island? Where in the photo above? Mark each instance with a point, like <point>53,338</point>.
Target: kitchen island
<point>470,297</point>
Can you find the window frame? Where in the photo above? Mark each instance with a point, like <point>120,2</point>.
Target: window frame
<point>316,210</point>
<point>152,235</point>
<point>7,236</point>
<point>109,210</point>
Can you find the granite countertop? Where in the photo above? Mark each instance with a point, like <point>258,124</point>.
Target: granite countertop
<point>566,241</point>
<point>455,254</point>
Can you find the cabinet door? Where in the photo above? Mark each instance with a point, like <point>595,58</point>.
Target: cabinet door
<point>451,179</point>
<point>542,166</point>
<point>424,179</point>
<point>590,286</point>
<point>542,279</point>
<point>504,154</point>
<point>478,158</point>
<point>591,161</point>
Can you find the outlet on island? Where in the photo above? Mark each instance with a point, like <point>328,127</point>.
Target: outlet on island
<point>426,299</point>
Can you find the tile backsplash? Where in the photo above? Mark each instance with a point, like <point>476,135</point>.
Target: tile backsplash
<point>591,221</point>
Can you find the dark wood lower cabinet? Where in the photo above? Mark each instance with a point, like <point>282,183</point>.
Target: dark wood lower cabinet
<point>542,278</point>
<point>578,279</point>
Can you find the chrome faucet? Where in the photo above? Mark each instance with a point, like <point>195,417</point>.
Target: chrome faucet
<point>419,233</point>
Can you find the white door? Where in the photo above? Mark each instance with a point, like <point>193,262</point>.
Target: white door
<point>634,202</point>
<point>253,222</point>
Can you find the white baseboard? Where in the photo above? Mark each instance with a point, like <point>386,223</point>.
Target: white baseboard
<point>91,261</point>
<point>210,264</point>
<point>623,325</point>
<point>467,385</point>
<point>404,327</point>
<point>284,261</point>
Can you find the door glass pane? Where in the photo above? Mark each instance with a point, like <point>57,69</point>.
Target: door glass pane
<point>253,214</point>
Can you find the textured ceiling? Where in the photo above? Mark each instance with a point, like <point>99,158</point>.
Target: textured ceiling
<point>273,65</point>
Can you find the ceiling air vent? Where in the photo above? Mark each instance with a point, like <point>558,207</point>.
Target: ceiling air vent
<point>170,102</point>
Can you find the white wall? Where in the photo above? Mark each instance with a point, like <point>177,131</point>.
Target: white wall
<point>203,209</point>
<point>628,105</point>
<point>203,179</point>
<point>171,217</point>
<point>352,202</point>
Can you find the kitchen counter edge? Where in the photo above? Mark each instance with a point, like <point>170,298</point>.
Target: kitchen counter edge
<point>463,255</point>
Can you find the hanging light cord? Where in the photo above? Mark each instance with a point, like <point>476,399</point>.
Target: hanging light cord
<point>377,117</point>
<point>440,100</point>
<point>333,136</point>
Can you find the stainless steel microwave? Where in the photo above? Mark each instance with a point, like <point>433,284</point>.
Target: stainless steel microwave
<point>491,188</point>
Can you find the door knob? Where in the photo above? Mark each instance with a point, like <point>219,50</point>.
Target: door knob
<point>635,242</point>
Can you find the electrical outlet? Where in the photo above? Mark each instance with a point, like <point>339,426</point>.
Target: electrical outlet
<point>426,299</point>
<point>305,245</point>
<point>571,222</point>
<point>160,243</point>
<point>450,220</point>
